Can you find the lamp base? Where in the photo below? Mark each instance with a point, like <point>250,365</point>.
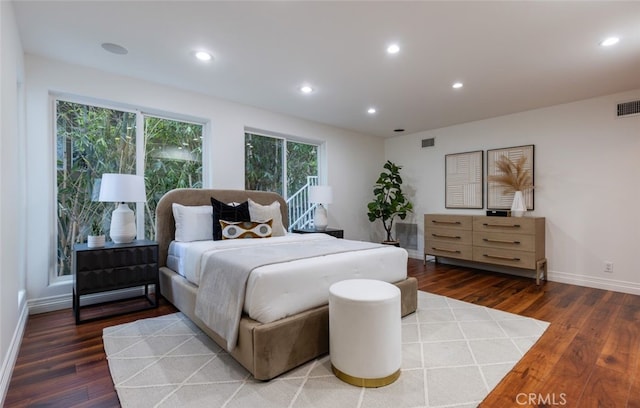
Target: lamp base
<point>123,225</point>
<point>320,219</point>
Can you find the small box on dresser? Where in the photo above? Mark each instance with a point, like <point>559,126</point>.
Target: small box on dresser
<point>517,242</point>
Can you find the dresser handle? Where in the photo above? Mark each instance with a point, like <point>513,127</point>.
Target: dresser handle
<point>501,241</point>
<point>505,258</point>
<point>446,222</point>
<point>445,236</point>
<point>501,225</point>
<point>453,251</point>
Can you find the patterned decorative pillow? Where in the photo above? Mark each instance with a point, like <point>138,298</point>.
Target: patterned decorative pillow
<point>245,229</point>
<point>222,211</point>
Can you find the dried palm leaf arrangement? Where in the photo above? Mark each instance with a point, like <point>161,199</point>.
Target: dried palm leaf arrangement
<point>512,176</point>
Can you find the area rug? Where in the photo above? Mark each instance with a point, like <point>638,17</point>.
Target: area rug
<point>453,354</point>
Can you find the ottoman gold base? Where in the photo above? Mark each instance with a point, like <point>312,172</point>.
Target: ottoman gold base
<point>365,382</point>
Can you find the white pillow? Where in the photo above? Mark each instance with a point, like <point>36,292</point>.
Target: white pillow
<point>262,213</point>
<point>193,223</point>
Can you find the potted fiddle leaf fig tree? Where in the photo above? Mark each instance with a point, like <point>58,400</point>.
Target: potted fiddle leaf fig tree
<point>389,201</point>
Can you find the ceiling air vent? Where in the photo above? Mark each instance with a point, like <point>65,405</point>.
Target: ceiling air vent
<point>429,142</point>
<point>628,108</point>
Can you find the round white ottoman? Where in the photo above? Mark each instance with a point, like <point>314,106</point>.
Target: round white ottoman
<point>365,332</point>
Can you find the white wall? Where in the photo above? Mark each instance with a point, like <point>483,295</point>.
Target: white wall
<point>354,160</point>
<point>12,197</point>
<point>587,165</point>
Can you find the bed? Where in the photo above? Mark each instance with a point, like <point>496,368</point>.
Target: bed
<point>264,349</point>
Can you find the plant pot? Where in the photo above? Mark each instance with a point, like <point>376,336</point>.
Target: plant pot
<point>95,241</point>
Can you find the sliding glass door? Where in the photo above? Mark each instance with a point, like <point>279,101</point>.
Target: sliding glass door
<point>278,164</point>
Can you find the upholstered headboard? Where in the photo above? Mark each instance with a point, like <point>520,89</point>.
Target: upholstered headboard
<point>165,223</point>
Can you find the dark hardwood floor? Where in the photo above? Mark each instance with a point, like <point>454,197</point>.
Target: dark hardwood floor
<point>588,357</point>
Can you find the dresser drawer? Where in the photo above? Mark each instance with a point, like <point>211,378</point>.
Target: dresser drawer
<point>520,242</point>
<point>115,278</point>
<point>507,257</point>
<point>107,258</point>
<point>514,225</point>
<point>448,249</point>
<point>453,222</point>
<point>449,235</point>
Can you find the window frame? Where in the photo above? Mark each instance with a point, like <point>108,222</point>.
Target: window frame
<point>320,153</point>
<point>54,278</point>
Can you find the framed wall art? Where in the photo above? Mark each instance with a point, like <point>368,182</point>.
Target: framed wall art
<point>464,181</point>
<point>498,197</point>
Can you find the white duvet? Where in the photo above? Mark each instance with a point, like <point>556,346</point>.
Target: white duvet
<point>280,290</point>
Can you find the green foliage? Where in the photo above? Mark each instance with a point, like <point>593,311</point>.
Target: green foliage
<point>173,159</point>
<point>92,141</point>
<point>264,163</point>
<point>389,201</point>
<point>96,226</point>
<point>302,161</point>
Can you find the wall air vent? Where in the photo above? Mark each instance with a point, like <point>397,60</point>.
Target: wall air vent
<point>429,142</point>
<point>407,234</point>
<point>628,108</point>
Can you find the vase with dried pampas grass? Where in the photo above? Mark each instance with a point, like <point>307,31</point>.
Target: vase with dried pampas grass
<point>514,178</point>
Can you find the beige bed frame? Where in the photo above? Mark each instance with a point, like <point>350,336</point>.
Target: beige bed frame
<point>266,350</point>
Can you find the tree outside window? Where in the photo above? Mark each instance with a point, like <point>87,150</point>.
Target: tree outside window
<point>91,141</point>
<point>272,163</point>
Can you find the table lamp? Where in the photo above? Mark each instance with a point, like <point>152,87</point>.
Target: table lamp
<point>122,189</point>
<point>320,195</point>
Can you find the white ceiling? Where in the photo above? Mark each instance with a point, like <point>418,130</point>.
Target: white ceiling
<point>511,56</point>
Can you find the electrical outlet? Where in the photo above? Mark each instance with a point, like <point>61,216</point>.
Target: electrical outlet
<point>608,267</point>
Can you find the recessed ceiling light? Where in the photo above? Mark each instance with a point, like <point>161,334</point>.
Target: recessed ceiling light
<point>371,111</point>
<point>115,48</point>
<point>607,42</point>
<point>306,89</point>
<point>203,56</point>
<point>393,49</point>
<point>457,85</point>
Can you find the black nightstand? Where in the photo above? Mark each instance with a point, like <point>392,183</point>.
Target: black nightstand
<point>113,267</point>
<point>338,233</point>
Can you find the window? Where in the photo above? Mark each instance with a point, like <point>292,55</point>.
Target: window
<point>286,167</point>
<point>278,164</point>
<point>264,163</point>
<point>92,140</point>
<point>173,159</point>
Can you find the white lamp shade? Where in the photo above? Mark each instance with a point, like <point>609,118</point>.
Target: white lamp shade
<point>320,195</point>
<point>122,188</point>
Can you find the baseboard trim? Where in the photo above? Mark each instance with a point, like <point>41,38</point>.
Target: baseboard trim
<point>53,303</point>
<point>632,288</point>
<point>12,354</point>
<point>595,282</point>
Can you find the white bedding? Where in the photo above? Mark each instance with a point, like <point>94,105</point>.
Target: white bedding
<point>280,290</point>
